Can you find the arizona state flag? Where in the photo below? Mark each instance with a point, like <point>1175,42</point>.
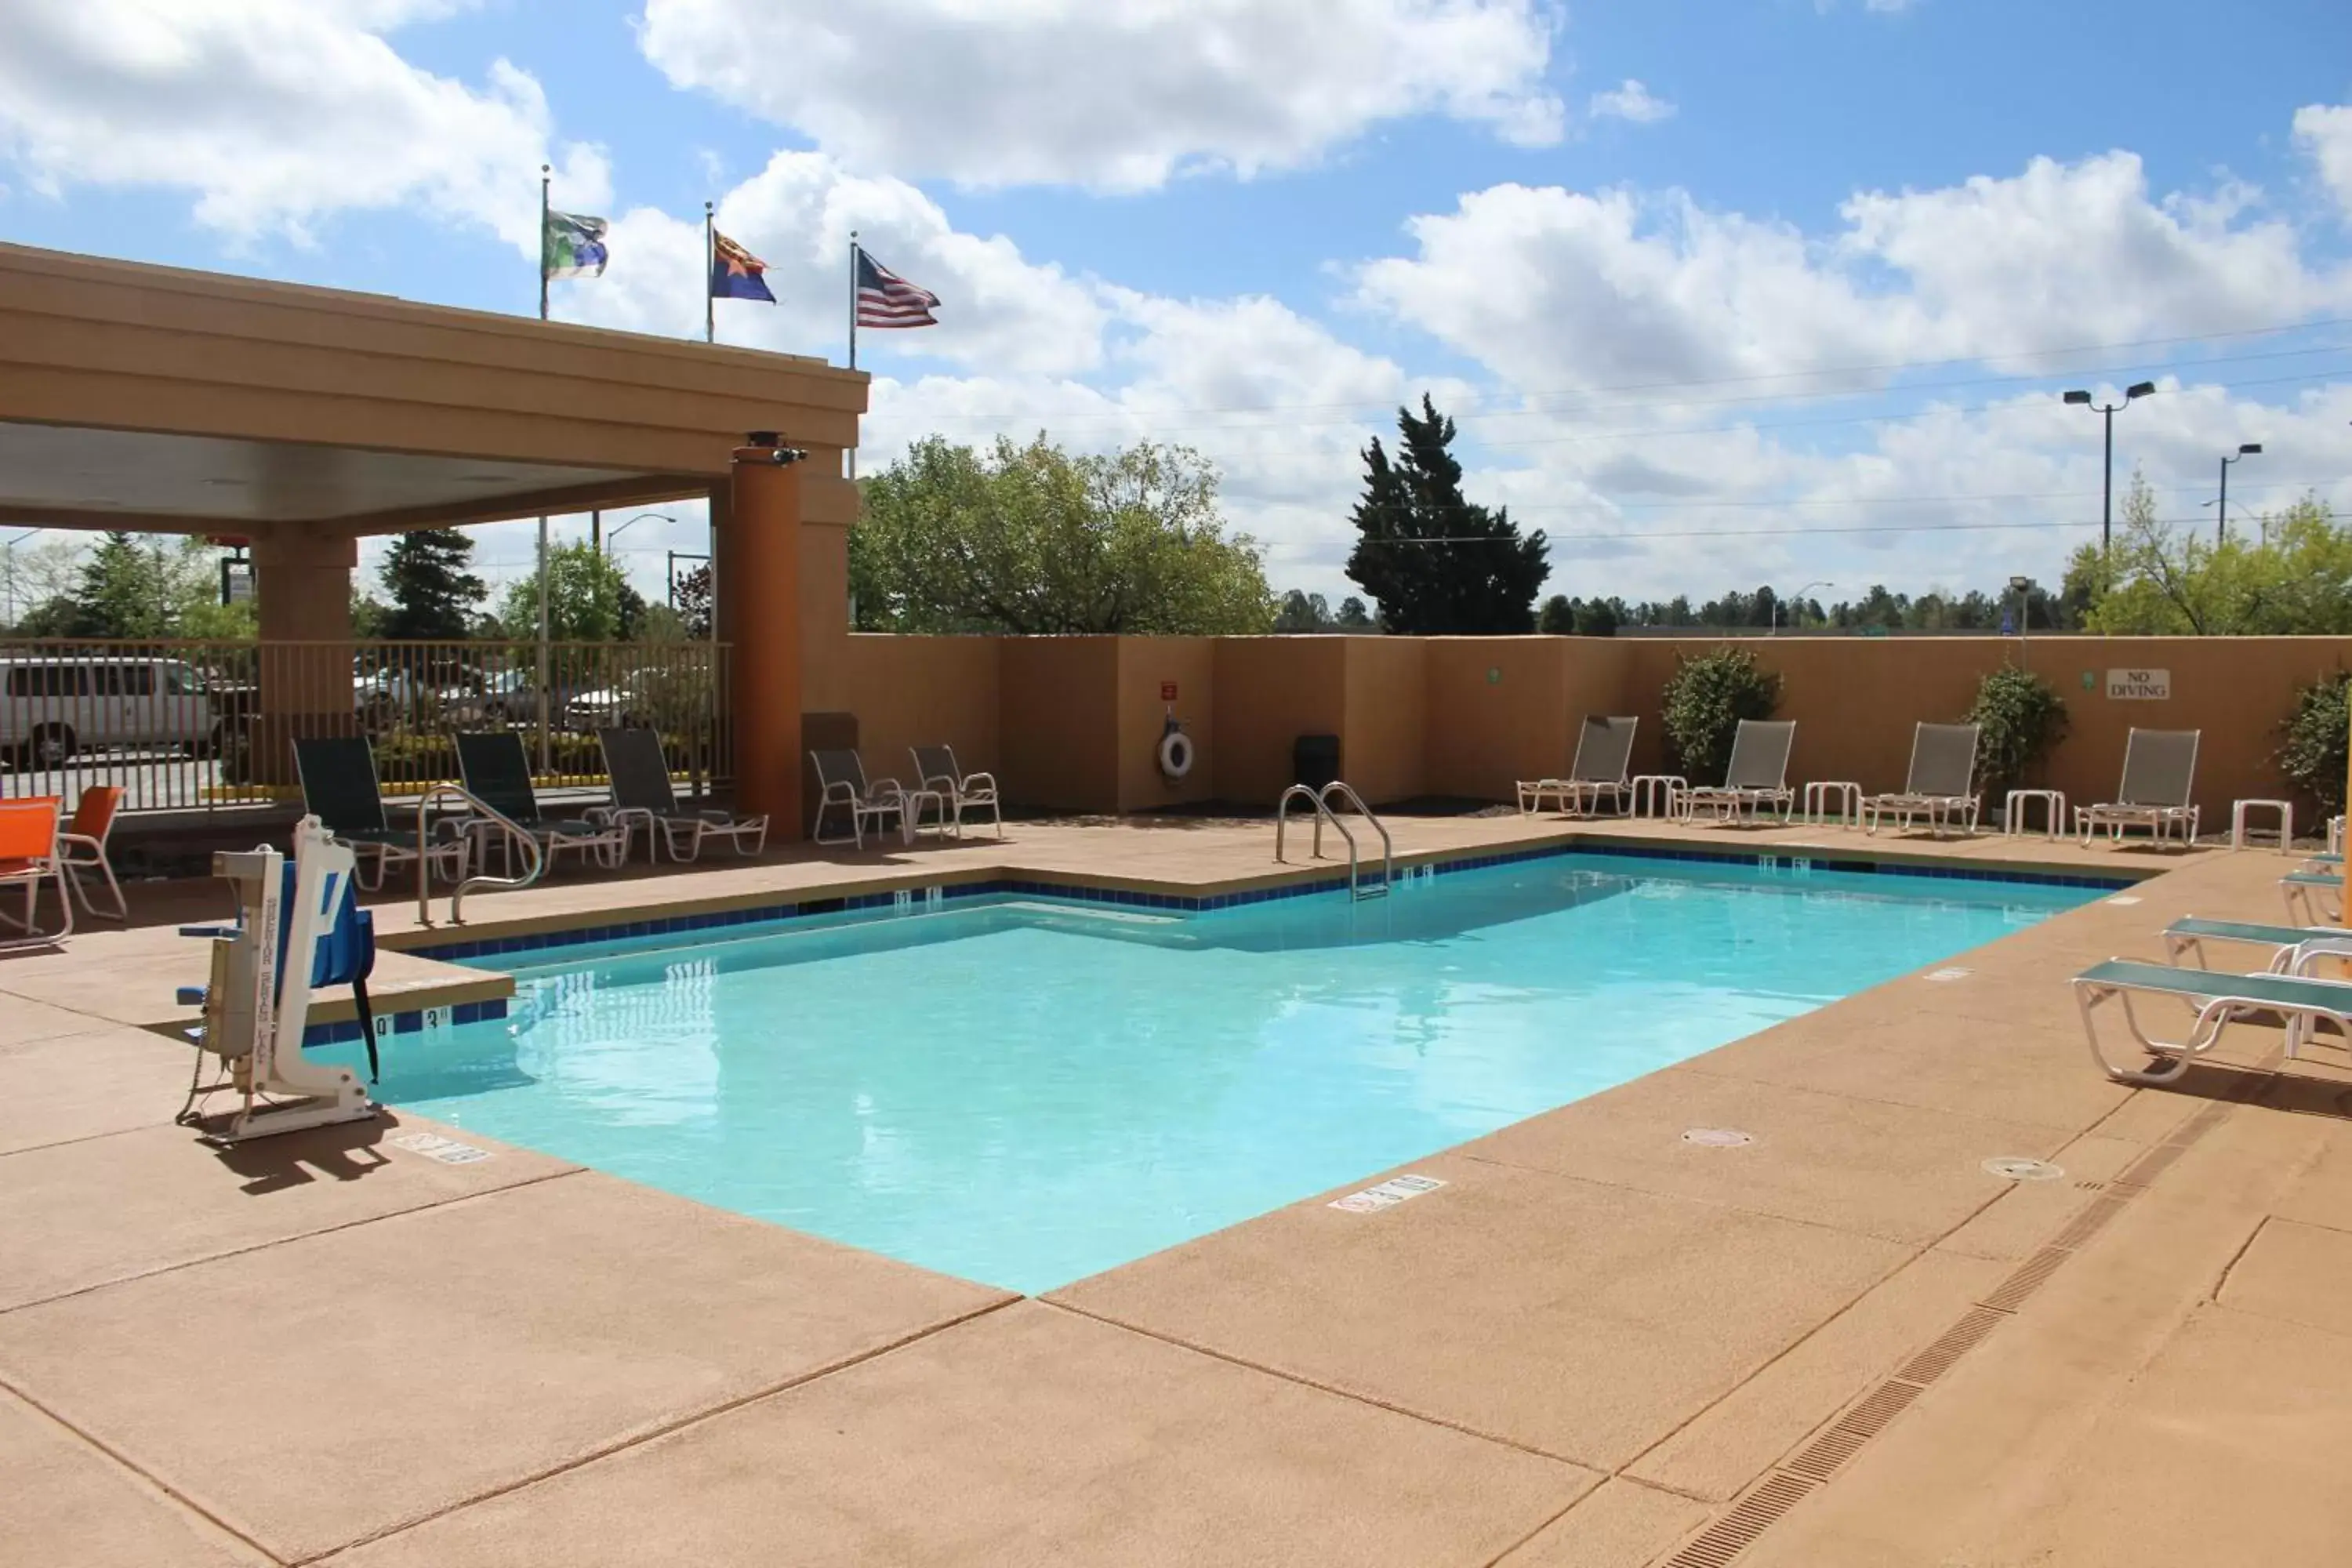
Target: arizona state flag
<point>735,272</point>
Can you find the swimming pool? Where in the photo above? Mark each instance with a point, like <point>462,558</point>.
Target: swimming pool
<point>1025,1090</point>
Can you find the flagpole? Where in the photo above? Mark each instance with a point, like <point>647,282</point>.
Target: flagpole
<point>852,453</point>
<point>710,271</point>
<point>542,241</point>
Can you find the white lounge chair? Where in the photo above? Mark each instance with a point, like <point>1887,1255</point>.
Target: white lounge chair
<point>1602,771</point>
<point>642,793</point>
<point>1940,787</point>
<point>2314,896</point>
<point>841,781</point>
<point>2159,769</point>
<point>936,773</point>
<point>1758,776</point>
<point>2190,934</point>
<point>2218,998</point>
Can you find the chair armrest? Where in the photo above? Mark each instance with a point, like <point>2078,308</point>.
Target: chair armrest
<point>884,789</point>
<point>970,781</point>
<point>2318,947</point>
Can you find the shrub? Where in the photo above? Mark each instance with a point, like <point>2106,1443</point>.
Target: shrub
<point>2312,756</point>
<point>2019,717</point>
<point>1705,700</point>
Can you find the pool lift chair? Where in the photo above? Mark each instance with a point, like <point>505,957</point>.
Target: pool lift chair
<point>298,927</point>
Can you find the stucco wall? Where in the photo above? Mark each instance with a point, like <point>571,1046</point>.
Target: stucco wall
<point>1058,722</point>
<point>1385,740</point>
<point>926,691</point>
<point>1145,666</point>
<point>1270,691</point>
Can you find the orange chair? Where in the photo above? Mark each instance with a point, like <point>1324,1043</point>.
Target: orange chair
<point>29,852</point>
<point>82,846</point>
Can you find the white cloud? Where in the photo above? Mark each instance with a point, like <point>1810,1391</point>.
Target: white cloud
<point>1631,102</point>
<point>275,113</point>
<point>1117,97</point>
<point>2324,132</point>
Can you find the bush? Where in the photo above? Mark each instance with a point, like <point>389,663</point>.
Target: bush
<point>2019,717</point>
<point>2312,756</point>
<point>1705,700</point>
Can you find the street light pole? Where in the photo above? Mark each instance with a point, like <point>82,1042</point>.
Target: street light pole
<point>2108,488</point>
<point>2222,505</point>
<point>1799,597</point>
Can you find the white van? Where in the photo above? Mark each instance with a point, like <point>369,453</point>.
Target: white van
<point>52,706</point>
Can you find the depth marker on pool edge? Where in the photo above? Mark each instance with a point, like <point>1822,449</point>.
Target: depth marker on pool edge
<point>1386,1194</point>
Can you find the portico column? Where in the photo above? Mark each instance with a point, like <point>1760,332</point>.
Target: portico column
<point>758,543</point>
<point>303,599</point>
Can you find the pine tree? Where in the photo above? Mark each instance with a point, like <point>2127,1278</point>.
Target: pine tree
<point>120,594</point>
<point>1474,574</point>
<point>431,592</point>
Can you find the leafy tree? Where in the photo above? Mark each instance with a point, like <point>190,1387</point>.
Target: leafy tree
<point>431,592</point>
<point>1437,565</point>
<point>2293,576</point>
<point>694,602</point>
<point>1031,540</point>
<point>2312,753</point>
<point>1558,618</point>
<point>1354,616</point>
<point>588,599</point>
<point>1704,701</point>
<point>1599,617</point>
<point>1304,612</point>
<point>140,585</point>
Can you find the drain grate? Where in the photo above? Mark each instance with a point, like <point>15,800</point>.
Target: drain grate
<point>1951,1346</point>
<point>1852,1430</point>
<point>2030,1276</point>
<point>2152,1164</point>
<point>2090,1221</point>
<point>1732,1534</point>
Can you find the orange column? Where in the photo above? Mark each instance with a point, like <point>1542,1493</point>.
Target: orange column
<point>302,593</point>
<point>760,550</point>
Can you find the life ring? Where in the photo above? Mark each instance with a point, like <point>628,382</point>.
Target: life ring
<point>1175,755</point>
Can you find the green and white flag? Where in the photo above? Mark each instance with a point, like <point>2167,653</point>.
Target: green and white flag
<point>573,246</point>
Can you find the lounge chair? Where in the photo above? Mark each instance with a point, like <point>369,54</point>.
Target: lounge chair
<point>2219,999</point>
<point>2160,767</point>
<point>2314,896</point>
<point>2188,935</point>
<point>935,772</point>
<point>841,781</point>
<point>1758,776</point>
<point>1602,770</point>
<point>642,793</point>
<point>338,777</point>
<point>498,773</point>
<point>82,847</point>
<point>29,852</point>
<point>1941,786</point>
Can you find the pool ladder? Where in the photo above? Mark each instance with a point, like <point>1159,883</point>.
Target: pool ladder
<point>1321,801</point>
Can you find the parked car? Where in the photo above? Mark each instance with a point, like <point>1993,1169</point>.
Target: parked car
<point>52,706</point>
<point>627,699</point>
<point>498,697</point>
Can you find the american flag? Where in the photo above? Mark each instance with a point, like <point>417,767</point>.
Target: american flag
<point>886,300</point>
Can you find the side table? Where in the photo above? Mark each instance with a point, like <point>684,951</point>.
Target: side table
<point>1834,798</point>
<point>2054,803</point>
<point>2285,809</point>
<point>1659,794</point>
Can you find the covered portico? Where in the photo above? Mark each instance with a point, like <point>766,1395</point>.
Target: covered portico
<point>304,419</point>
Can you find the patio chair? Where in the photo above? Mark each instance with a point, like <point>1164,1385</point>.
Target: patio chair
<point>642,793</point>
<point>2219,999</point>
<point>29,852</point>
<point>935,772</point>
<point>1758,776</point>
<point>337,773</point>
<point>82,847</point>
<point>2160,767</point>
<point>841,781</point>
<point>1941,786</point>
<point>1602,768</point>
<point>497,773</point>
<point>2190,934</point>
<point>2313,897</point>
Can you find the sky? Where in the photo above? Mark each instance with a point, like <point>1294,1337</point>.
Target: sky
<point>1722,293</point>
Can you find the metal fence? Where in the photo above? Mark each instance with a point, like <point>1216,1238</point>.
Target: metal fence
<point>208,726</point>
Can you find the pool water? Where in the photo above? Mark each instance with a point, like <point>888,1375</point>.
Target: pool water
<point>1026,1091</point>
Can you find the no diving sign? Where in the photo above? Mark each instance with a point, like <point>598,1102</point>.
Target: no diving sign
<point>2139,685</point>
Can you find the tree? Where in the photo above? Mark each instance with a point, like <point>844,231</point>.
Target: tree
<point>1599,617</point>
<point>2293,576</point>
<point>142,586</point>
<point>1558,618</point>
<point>588,599</point>
<point>1354,616</point>
<point>1437,565</point>
<point>1304,612</point>
<point>1033,539</point>
<point>431,592</point>
<point>693,602</point>
<point>1703,703</point>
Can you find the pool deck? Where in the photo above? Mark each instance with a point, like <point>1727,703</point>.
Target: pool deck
<point>1598,1344</point>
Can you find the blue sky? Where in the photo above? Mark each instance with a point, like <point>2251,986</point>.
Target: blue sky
<point>1256,227</point>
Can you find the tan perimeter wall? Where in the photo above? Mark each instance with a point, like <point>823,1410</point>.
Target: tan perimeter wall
<point>1073,722</point>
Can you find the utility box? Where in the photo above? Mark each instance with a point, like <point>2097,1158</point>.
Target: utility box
<point>1315,760</point>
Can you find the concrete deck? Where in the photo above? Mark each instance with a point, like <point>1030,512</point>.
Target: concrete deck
<point>1598,1345</point>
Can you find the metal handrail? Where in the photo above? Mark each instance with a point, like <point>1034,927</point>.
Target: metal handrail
<point>1322,814</point>
<point>457,894</point>
<point>1388,846</point>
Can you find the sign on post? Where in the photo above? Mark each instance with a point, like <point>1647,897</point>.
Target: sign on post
<point>2139,685</point>
<point>1167,691</point>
